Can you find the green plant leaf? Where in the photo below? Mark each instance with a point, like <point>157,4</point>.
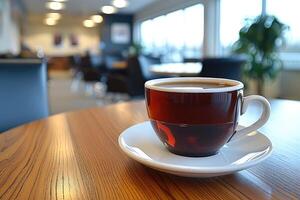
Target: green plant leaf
<point>258,41</point>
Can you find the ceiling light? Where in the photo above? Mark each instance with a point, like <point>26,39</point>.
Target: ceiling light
<point>120,3</point>
<point>108,9</point>
<point>97,18</point>
<point>88,23</point>
<point>55,5</point>
<point>55,16</point>
<point>60,0</point>
<point>50,21</point>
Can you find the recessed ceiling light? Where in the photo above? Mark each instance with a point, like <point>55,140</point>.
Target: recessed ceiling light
<point>55,16</point>
<point>50,21</point>
<point>88,23</point>
<point>120,3</point>
<point>97,18</point>
<point>55,5</point>
<point>108,9</point>
<point>60,0</point>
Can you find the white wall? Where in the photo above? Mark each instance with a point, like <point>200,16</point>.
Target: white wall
<point>9,29</point>
<point>37,35</point>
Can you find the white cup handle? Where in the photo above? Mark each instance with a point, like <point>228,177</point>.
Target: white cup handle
<point>260,122</point>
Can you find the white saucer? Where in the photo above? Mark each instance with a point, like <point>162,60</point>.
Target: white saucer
<point>141,144</point>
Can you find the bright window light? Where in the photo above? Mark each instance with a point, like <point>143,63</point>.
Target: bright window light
<point>193,34</point>
<point>233,17</point>
<point>175,30</point>
<point>175,35</point>
<point>287,11</point>
<point>147,39</point>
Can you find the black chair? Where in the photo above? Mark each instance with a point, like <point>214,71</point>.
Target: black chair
<point>230,68</point>
<point>89,72</point>
<point>145,62</point>
<point>23,92</point>
<point>137,73</point>
<point>75,61</point>
<point>128,82</point>
<point>111,58</point>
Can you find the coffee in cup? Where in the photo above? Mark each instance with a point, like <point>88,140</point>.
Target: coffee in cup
<point>197,116</point>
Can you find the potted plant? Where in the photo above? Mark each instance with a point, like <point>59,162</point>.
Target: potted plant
<point>259,40</point>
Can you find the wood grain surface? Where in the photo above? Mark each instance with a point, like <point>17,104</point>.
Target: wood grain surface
<point>76,156</point>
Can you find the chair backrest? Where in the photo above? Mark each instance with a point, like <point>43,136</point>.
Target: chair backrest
<point>111,58</point>
<point>136,77</point>
<point>23,92</point>
<point>230,68</point>
<point>146,62</point>
<point>75,61</point>
<point>85,61</point>
<point>139,72</point>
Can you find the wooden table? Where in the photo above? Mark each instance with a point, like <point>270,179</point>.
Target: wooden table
<point>76,156</point>
<point>119,65</point>
<point>177,69</point>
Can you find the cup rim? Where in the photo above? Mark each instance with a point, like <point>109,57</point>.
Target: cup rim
<point>236,85</point>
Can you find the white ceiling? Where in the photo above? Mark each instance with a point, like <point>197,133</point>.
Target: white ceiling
<point>84,7</point>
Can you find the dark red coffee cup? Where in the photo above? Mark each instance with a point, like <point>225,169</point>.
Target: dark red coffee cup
<point>194,121</point>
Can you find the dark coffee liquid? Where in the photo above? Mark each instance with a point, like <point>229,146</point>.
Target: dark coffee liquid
<point>193,124</point>
<point>193,140</point>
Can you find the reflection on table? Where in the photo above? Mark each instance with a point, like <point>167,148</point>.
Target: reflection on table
<point>177,69</point>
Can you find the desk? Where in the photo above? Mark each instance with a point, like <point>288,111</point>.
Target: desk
<point>59,63</point>
<point>76,156</point>
<point>119,65</point>
<point>177,69</point>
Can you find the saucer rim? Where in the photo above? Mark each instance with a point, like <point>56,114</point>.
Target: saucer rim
<point>189,169</point>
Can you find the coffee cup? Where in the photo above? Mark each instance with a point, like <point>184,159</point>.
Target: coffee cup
<point>197,116</point>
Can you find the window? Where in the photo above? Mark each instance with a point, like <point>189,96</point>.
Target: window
<point>287,11</point>
<point>159,37</point>
<point>175,30</point>
<point>193,38</point>
<point>146,33</point>
<point>175,35</point>
<point>232,18</point>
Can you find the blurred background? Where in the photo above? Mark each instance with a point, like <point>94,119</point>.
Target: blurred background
<point>92,53</point>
